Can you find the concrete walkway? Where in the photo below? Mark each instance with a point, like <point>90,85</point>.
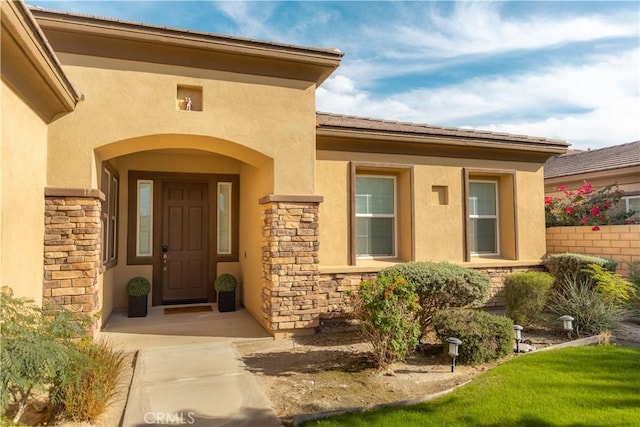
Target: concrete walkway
<point>187,371</point>
<point>198,384</point>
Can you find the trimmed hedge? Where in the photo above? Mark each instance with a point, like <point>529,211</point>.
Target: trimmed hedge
<point>442,285</point>
<point>571,267</point>
<point>526,295</point>
<point>484,336</point>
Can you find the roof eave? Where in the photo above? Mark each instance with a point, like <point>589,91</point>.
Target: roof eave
<point>30,66</point>
<point>272,59</point>
<point>343,139</point>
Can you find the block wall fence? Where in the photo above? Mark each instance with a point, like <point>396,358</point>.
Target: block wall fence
<point>620,242</point>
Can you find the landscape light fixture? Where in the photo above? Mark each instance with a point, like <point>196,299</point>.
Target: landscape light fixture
<point>518,330</point>
<point>567,324</point>
<point>454,343</point>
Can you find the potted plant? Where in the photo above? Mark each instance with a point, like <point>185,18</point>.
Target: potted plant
<point>138,288</point>
<point>226,285</point>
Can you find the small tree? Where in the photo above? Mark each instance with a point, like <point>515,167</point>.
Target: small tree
<point>35,348</point>
<point>387,309</point>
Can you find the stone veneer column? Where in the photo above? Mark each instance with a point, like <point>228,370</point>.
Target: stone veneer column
<point>290,297</point>
<point>72,260</point>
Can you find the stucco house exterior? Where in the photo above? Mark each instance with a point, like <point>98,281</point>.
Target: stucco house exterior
<point>130,149</point>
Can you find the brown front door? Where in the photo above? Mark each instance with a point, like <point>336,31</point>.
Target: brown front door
<point>185,242</point>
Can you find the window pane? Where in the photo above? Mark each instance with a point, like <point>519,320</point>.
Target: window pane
<point>145,216</point>
<point>113,209</point>
<point>482,198</point>
<point>633,204</point>
<point>375,195</point>
<point>224,217</point>
<point>375,236</point>
<point>483,235</point>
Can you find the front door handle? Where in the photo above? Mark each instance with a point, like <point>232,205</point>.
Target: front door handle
<point>164,262</point>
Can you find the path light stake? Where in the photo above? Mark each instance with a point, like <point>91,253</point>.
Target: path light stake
<point>518,330</point>
<point>567,324</point>
<point>454,343</point>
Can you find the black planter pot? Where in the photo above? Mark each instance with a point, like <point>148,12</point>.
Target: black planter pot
<point>138,306</point>
<point>226,301</point>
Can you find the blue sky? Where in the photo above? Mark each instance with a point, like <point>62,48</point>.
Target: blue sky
<point>567,70</point>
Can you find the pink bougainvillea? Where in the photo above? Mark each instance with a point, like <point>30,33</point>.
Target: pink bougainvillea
<point>585,206</point>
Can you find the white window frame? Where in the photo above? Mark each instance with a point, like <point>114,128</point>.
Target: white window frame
<point>106,220</point>
<point>150,183</point>
<point>229,219</point>
<point>496,217</point>
<point>626,202</point>
<point>394,216</point>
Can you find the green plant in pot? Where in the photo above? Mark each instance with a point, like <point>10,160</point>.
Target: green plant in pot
<point>138,288</point>
<point>226,285</point>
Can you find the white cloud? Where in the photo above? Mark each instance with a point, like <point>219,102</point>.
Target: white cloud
<point>592,105</point>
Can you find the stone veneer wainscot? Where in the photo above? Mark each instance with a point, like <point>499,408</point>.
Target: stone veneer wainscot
<point>72,259</point>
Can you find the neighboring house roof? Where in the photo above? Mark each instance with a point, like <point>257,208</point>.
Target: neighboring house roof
<point>433,140</point>
<point>615,157</point>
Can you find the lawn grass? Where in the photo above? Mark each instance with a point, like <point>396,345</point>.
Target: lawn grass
<point>579,386</point>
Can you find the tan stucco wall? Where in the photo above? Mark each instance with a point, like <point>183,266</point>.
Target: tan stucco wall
<point>253,183</point>
<point>438,228</point>
<point>272,118</point>
<point>22,181</point>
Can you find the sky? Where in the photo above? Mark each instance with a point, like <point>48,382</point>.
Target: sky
<point>563,70</point>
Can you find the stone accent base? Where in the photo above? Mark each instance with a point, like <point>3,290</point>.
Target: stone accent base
<point>290,297</point>
<point>72,259</point>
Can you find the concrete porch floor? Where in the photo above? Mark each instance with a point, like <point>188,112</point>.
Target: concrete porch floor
<point>159,330</point>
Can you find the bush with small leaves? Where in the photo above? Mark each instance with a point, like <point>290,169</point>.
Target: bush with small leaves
<point>574,267</point>
<point>485,336</point>
<point>225,283</point>
<point>526,296</point>
<point>441,285</point>
<point>387,309</point>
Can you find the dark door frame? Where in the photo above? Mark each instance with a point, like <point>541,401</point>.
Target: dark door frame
<point>159,178</point>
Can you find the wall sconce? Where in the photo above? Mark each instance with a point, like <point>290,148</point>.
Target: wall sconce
<point>567,324</point>
<point>454,343</point>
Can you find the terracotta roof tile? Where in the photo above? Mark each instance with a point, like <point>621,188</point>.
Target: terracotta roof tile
<point>367,123</point>
<point>617,156</point>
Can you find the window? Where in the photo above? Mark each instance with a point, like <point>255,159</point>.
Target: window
<point>483,217</point>
<point>110,181</point>
<point>144,232</point>
<point>375,211</point>
<point>224,218</point>
<point>631,203</point>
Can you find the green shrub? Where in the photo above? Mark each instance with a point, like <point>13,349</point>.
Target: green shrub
<point>91,382</point>
<point>634,274</point>
<point>35,348</point>
<point>612,286</point>
<point>225,283</point>
<point>442,285</point>
<point>592,312</point>
<point>138,287</point>
<point>573,267</point>
<point>526,296</point>
<point>484,336</point>
<point>387,309</point>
